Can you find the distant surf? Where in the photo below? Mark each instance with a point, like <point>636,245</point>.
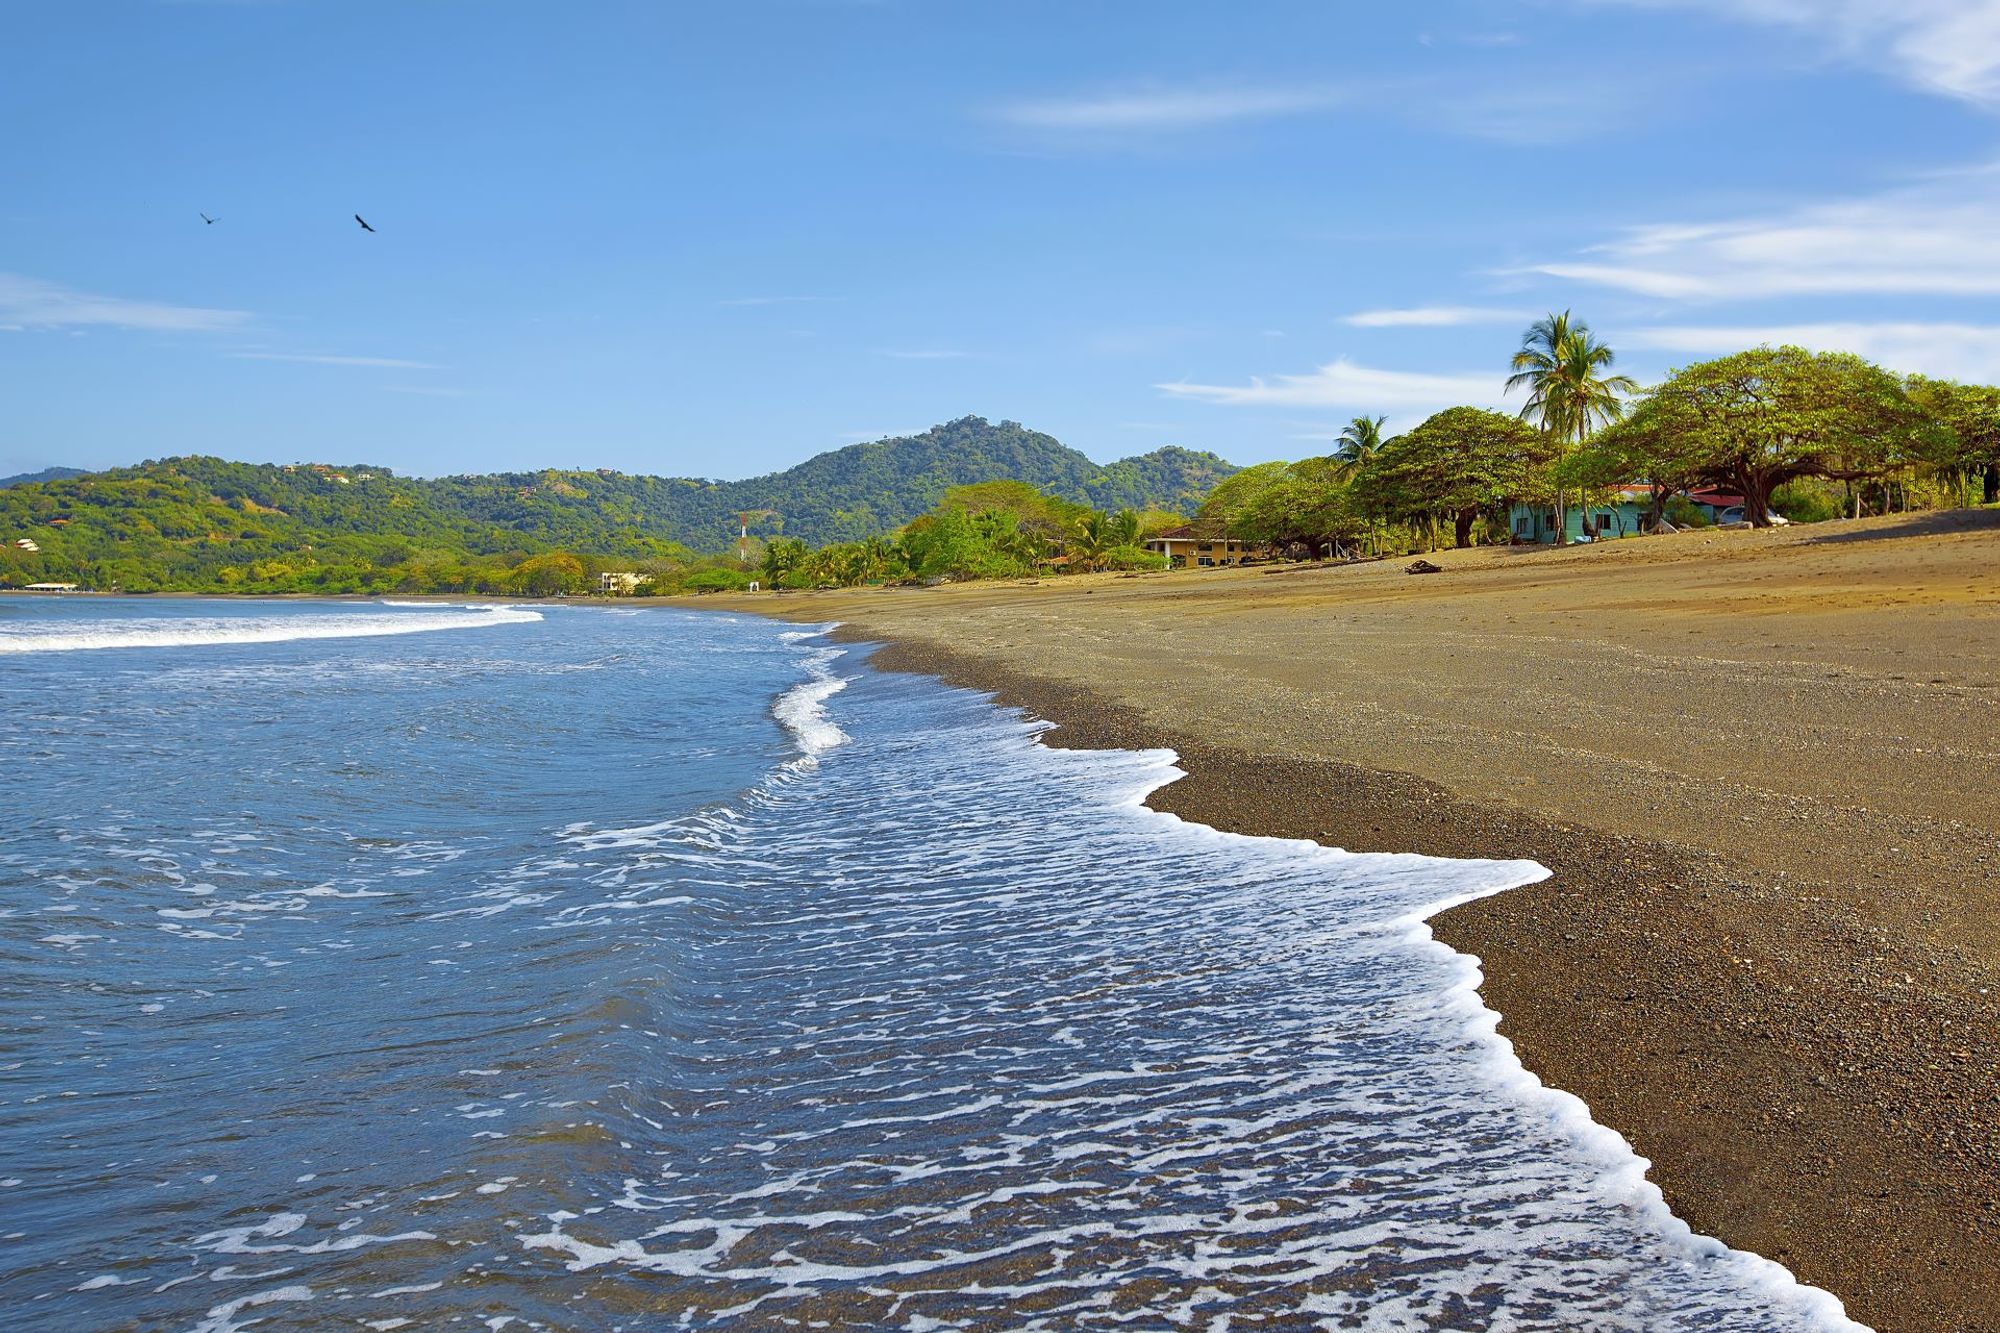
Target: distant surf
<point>196,631</point>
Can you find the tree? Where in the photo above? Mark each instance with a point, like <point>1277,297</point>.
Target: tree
<point>1759,419</point>
<point>782,556</point>
<point>549,575</point>
<point>1359,441</point>
<point>1561,364</point>
<point>1970,439</point>
<point>1234,494</point>
<point>1459,462</point>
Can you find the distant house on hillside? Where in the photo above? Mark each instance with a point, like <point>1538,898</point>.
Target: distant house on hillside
<point>50,587</point>
<point>621,583</point>
<point>1184,548</point>
<point>27,544</point>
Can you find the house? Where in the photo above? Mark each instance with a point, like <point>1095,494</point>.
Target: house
<point>1620,512</point>
<point>1185,548</point>
<point>50,587</point>
<point>621,583</point>
<point>27,544</point>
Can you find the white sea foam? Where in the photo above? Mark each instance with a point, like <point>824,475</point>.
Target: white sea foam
<point>199,631</point>
<point>802,709</point>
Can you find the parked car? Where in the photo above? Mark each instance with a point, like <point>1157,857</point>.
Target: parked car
<point>1734,514</point>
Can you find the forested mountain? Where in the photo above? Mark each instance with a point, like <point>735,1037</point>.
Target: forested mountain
<point>46,474</point>
<point>205,522</point>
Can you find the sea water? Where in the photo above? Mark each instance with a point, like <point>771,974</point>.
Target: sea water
<point>376,967</point>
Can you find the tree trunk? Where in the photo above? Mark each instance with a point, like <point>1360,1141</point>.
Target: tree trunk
<point>1992,487</point>
<point>1756,500</point>
<point>1462,527</point>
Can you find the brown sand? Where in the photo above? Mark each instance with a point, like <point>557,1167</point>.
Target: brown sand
<point>1764,768</point>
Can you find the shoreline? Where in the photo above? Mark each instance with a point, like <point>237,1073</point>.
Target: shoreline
<point>1805,1048</point>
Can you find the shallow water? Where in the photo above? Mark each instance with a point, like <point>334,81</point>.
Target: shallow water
<point>585,970</point>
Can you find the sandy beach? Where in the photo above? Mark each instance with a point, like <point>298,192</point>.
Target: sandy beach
<point>1764,768</point>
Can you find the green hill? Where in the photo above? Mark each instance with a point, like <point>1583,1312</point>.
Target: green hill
<point>200,523</point>
<point>46,474</point>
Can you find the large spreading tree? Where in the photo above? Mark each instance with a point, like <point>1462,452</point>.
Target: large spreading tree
<point>1758,419</point>
<point>1459,463</point>
<point>1969,443</point>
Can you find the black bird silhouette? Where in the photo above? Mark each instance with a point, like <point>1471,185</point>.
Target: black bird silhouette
<point>364,222</point>
<point>209,220</point>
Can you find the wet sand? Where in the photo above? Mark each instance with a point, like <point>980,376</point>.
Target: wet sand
<point>1763,767</point>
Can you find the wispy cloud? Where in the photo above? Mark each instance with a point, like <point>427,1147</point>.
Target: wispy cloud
<point>926,354</point>
<point>1951,351</point>
<point>1950,47</point>
<point>31,303</point>
<point>1165,108</point>
<point>1935,238</point>
<point>330,359</point>
<point>1431,317</point>
<point>1347,386</point>
<point>427,390</point>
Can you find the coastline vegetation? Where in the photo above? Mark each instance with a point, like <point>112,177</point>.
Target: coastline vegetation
<point>1792,434</point>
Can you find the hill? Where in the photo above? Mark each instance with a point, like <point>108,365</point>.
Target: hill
<point>46,474</point>
<point>204,523</point>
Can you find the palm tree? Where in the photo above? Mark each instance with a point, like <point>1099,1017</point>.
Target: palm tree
<point>1359,441</point>
<point>1561,363</point>
<point>1093,538</point>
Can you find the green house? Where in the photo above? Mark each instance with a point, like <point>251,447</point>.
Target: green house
<point>1624,515</point>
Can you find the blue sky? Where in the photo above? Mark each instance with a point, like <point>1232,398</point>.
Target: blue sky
<point>712,239</point>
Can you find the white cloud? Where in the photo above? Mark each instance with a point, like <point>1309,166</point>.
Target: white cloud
<point>1346,386</point>
<point>1949,351</point>
<point>31,303</point>
<point>327,359</point>
<point>1936,238</point>
<point>1431,317</point>
<point>1951,47</point>
<point>1165,108</point>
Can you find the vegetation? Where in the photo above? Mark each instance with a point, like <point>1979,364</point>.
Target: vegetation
<point>1759,419</point>
<point>1801,435</point>
<point>994,529</point>
<point>1561,364</point>
<point>208,525</point>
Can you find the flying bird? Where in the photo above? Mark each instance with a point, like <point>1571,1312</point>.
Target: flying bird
<point>364,222</point>
<point>209,220</point>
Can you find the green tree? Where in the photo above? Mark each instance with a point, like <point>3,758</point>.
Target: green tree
<point>1562,365</point>
<point>1969,444</point>
<point>1758,419</point>
<point>782,557</point>
<point>1457,463</point>
<point>549,575</point>
<point>1360,439</point>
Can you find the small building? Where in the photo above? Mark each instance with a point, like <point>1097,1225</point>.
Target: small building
<point>1622,512</point>
<point>27,544</point>
<point>621,583</point>
<point>1185,548</point>
<point>50,587</point>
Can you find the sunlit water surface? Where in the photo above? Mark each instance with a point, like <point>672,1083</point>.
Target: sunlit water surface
<point>436,967</point>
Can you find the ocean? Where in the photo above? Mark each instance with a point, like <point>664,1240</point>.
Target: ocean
<point>475,967</point>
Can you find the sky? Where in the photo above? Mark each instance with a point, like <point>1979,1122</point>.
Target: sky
<point>712,239</point>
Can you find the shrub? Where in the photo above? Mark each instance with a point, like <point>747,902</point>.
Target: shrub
<point>1132,557</point>
<point>1685,513</point>
<point>1805,501</point>
<point>717,580</point>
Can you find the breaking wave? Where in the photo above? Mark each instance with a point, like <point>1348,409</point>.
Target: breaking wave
<point>198,631</point>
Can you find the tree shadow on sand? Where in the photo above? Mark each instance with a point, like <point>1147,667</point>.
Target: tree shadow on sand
<point>1921,525</point>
